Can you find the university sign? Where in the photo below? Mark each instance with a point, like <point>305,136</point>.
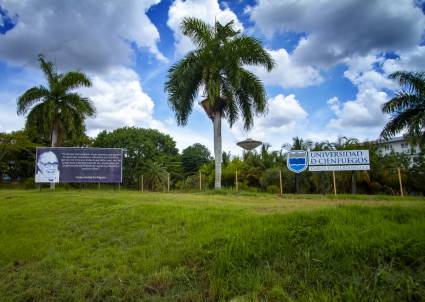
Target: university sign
<point>338,160</point>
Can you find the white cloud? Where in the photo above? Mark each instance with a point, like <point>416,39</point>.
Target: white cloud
<point>287,72</point>
<point>120,101</point>
<point>92,35</point>
<point>363,112</point>
<point>9,120</point>
<point>339,29</point>
<point>413,60</point>
<point>363,74</point>
<point>206,10</point>
<point>285,119</point>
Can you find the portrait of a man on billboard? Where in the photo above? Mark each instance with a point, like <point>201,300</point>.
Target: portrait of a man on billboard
<point>47,168</point>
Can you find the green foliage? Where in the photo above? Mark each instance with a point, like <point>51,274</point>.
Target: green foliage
<point>17,155</point>
<point>407,108</point>
<point>193,157</point>
<point>128,246</point>
<point>155,176</point>
<point>55,112</point>
<point>217,64</point>
<point>144,149</point>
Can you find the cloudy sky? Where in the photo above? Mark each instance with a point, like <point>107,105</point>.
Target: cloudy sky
<point>333,61</point>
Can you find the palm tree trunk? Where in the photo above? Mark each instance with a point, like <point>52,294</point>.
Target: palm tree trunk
<point>217,148</point>
<point>54,143</point>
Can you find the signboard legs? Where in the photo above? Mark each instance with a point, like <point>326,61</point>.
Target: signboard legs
<point>168,182</point>
<point>333,176</point>
<point>399,180</point>
<point>280,181</point>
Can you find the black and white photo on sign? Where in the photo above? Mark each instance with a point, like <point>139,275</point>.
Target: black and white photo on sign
<point>47,168</point>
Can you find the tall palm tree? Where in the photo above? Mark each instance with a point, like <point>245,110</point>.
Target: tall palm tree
<point>216,66</point>
<point>407,107</point>
<point>56,112</point>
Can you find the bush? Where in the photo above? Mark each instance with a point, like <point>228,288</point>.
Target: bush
<point>273,189</point>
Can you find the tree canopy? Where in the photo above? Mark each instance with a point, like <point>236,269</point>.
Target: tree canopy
<point>193,157</point>
<point>142,148</point>
<point>56,113</point>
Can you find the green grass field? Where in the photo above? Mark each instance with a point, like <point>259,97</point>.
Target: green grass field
<point>129,246</point>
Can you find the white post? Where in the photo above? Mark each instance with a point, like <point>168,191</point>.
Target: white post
<point>280,181</point>
<point>401,184</point>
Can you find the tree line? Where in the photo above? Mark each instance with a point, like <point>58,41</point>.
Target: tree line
<point>154,155</point>
<point>56,112</point>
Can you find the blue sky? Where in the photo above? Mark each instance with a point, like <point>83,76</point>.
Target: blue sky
<point>333,61</point>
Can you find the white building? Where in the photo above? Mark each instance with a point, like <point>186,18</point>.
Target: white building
<point>397,145</point>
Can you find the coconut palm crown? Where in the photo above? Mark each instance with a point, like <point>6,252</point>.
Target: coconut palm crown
<point>216,66</point>
<point>407,107</point>
<point>56,112</point>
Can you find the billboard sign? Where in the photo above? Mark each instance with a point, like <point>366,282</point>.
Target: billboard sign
<point>61,164</point>
<point>339,160</point>
<point>297,161</point>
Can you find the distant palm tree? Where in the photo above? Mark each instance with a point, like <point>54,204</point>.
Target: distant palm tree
<point>156,176</point>
<point>54,111</point>
<point>216,66</point>
<point>344,142</point>
<point>407,108</point>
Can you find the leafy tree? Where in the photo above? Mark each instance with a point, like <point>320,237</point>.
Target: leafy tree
<point>407,108</point>
<point>193,157</point>
<point>142,148</point>
<point>55,113</point>
<point>217,67</point>
<point>17,155</point>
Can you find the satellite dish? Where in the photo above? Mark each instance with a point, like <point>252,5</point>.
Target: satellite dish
<point>249,144</point>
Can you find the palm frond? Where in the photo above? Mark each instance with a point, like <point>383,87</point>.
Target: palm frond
<point>413,82</point>
<point>49,69</point>
<point>250,52</point>
<point>74,79</point>
<point>196,29</point>
<point>224,32</point>
<point>230,106</point>
<point>404,121</point>
<point>78,104</point>
<point>401,102</point>
<point>30,97</point>
<point>253,87</point>
<point>184,80</point>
